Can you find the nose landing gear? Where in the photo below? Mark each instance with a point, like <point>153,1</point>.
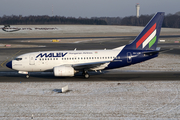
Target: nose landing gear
<point>27,76</point>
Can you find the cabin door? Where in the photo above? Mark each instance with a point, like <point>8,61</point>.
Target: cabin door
<point>31,59</point>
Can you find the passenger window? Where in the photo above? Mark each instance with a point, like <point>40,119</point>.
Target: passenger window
<point>56,58</point>
<point>42,58</point>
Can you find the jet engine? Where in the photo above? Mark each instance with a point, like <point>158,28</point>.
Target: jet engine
<point>63,71</point>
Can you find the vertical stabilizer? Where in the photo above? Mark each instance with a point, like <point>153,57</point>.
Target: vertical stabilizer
<point>148,38</point>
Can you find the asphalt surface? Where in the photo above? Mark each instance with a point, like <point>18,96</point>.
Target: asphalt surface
<point>7,75</point>
<point>120,76</point>
<point>114,94</point>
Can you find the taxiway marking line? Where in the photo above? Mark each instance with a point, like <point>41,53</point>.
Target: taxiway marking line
<point>2,64</point>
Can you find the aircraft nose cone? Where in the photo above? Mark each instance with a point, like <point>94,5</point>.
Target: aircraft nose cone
<point>9,64</point>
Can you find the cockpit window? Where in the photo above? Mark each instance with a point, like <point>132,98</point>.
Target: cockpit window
<point>18,59</point>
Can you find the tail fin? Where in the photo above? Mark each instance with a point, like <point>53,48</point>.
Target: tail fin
<point>148,38</point>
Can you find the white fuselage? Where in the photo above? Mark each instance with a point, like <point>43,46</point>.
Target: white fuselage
<point>47,60</point>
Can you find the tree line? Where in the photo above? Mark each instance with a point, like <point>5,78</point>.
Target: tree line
<point>44,19</point>
<point>170,20</point>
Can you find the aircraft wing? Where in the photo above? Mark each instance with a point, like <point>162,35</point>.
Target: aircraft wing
<point>86,66</point>
<point>91,66</point>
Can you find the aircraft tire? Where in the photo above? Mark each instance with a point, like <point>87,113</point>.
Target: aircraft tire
<point>27,76</point>
<point>86,75</point>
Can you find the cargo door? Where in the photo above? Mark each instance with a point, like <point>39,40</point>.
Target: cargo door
<point>129,57</point>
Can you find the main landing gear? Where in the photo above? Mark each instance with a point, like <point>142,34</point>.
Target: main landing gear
<point>85,74</point>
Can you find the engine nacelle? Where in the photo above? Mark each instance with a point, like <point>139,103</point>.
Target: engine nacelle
<point>63,71</point>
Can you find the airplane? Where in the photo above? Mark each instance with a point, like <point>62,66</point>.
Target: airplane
<point>67,63</point>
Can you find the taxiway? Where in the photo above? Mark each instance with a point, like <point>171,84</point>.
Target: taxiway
<point>149,90</point>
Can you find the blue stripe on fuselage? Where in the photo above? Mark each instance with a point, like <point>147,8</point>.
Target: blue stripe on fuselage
<point>135,56</point>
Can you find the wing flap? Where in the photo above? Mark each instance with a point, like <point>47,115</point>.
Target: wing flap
<point>91,66</point>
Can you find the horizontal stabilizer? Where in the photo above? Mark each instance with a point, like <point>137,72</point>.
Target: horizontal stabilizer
<point>157,51</point>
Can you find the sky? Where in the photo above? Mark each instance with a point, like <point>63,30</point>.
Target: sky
<point>87,8</point>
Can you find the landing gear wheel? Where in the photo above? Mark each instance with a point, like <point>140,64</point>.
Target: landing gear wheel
<point>86,75</point>
<point>27,76</point>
